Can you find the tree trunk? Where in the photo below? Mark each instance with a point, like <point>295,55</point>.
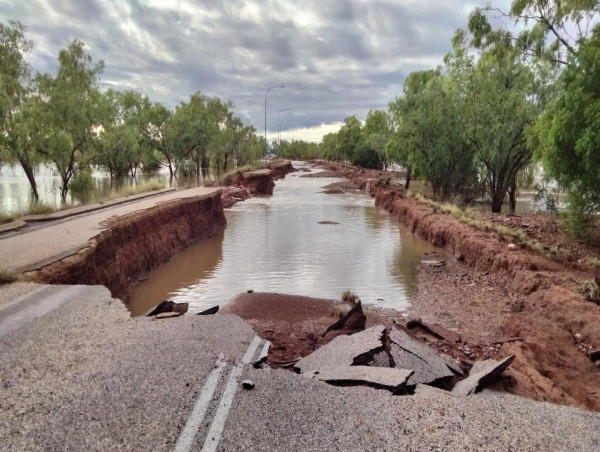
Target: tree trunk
<point>497,202</point>
<point>30,177</point>
<point>408,176</point>
<point>512,194</point>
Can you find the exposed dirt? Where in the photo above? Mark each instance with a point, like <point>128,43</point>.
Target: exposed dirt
<point>531,298</point>
<point>238,185</point>
<point>548,231</point>
<point>134,244</point>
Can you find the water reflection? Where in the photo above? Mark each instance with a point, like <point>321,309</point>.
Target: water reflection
<point>276,244</point>
<point>16,195</point>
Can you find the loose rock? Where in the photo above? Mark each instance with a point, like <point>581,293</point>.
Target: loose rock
<point>168,315</point>
<point>248,384</point>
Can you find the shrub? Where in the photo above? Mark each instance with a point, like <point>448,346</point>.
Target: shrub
<point>350,297</point>
<point>82,181</point>
<point>7,277</point>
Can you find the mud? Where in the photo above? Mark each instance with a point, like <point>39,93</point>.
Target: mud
<point>546,310</point>
<point>134,244</point>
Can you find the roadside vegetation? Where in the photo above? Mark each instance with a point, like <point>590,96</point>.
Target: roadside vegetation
<point>7,277</point>
<point>65,120</point>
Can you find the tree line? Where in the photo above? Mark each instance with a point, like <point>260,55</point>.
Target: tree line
<point>66,120</point>
<point>501,101</point>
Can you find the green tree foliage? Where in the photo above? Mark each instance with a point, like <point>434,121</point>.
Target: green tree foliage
<point>70,111</point>
<point>429,123</point>
<point>348,137</point>
<point>376,133</point>
<point>568,134</point>
<point>19,131</point>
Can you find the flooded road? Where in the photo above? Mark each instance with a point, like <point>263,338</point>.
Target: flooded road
<point>277,244</point>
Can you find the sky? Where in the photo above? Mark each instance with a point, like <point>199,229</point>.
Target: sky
<point>335,58</point>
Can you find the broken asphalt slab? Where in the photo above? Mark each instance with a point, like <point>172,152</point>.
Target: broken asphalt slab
<point>344,351</point>
<point>378,377</point>
<point>428,366</point>
<point>482,373</point>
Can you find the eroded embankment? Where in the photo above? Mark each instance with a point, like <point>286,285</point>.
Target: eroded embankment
<point>555,319</point>
<point>134,244</point>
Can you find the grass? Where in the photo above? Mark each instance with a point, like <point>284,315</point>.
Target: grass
<point>6,218</point>
<point>141,188</point>
<point>591,291</point>
<point>504,233</point>
<point>7,277</point>
<point>350,297</point>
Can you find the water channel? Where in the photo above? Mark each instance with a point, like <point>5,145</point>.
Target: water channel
<point>277,244</point>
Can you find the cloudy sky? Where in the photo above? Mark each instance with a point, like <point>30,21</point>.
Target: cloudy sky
<point>335,57</point>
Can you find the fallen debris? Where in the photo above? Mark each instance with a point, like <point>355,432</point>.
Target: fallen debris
<point>428,366</point>
<point>353,321</point>
<point>382,378</point>
<point>481,375</point>
<point>328,222</point>
<point>209,311</point>
<point>168,306</point>
<point>248,384</point>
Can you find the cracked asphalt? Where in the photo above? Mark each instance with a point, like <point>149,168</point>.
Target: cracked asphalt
<point>78,373</point>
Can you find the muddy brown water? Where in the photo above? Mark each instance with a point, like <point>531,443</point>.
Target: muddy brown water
<point>277,244</point>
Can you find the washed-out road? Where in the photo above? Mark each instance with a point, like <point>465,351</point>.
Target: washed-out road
<point>78,373</point>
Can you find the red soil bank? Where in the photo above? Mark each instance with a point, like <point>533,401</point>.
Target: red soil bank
<point>549,364</point>
<point>135,244</point>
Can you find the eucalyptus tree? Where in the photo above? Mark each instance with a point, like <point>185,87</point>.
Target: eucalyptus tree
<point>70,110</point>
<point>377,131</point>
<point>568,138</point>
<point>430,126</point>
<point>348,137</point>
<point>18,104</point>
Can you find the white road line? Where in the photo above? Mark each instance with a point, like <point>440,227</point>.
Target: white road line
<point>186,439</point>
<point>216,428</point>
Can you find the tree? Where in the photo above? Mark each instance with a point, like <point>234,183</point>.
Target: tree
<point>348,137</point>
<point>499,90</point>
<point>18,110</point>
<point>378,131</point>
<point>70,110</point>
<point>430,127</point>
<point>556,30</point>
<point>568,137</point>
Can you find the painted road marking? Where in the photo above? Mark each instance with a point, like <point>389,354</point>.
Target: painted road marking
<point>184,443</point>
<point>216,428</point>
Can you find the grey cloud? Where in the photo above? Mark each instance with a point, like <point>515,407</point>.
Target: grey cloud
<point>336,58</point>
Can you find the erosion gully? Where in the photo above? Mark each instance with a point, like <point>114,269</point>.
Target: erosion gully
<point>299,241</point>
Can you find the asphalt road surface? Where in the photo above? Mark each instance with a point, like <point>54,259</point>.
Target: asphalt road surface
<point>78,373</point>
<point>45,241</point>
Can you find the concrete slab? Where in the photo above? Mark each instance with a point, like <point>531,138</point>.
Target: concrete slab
<point>344,351</point>
<point>409,353</point>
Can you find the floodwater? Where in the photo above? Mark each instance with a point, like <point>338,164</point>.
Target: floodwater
<point>16,195</point>
<point>276,244</point>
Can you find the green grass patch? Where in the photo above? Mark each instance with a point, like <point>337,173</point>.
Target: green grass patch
<point>141,188</point>
<point>39,208</point>
<point>7,277</point>
<point>6,218</point>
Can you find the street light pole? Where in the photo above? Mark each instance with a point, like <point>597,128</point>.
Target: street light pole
<point>279,129</point>
<point>266,141</point>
